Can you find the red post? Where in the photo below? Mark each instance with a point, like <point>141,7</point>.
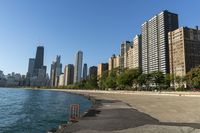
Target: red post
<point>74,112</point>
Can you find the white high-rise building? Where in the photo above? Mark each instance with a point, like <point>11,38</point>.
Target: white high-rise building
<point>155,50</point>
<point>129,58</point>
<point>61,80</point>
<point>132,58</point>
<point>78,67</point>
<point>137,51</point>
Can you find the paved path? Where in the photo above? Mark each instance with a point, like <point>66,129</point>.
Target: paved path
<point>166,107</point>
<point>111,115</point>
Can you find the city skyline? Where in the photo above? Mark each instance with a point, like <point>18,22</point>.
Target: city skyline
<point>22,34</point>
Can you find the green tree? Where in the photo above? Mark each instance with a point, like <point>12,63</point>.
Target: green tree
<point>193,78</point>
<point>178,80</point>
<point>91,83</point>
<point>102,80</point>
<point>135,74</point>
<point>81,84</point>
<point>169,80</point>
<point>111,80</point>
<point>123,81</point>
<point>144,80</point>
<point>129,78</point>
<point>158,78</point>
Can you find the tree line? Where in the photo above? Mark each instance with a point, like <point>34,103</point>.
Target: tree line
<point>134,79</point>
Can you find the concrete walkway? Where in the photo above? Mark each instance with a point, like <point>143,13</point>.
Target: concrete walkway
<point>118,114</point>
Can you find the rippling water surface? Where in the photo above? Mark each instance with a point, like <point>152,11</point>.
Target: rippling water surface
<point>35,111</point>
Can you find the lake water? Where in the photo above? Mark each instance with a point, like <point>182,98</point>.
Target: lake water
<point>35,111</point>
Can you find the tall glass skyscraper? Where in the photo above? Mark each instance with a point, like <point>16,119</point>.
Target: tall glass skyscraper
<point>39,60</point>
<point>155,50</point>
<point>31,66</point>
<point>78,67</point>
<point>85,69</point>
<point>69,74</point>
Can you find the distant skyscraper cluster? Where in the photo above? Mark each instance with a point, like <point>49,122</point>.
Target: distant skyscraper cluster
<point>12,79</point>
<point>72,73</point>
<point>36,75</point>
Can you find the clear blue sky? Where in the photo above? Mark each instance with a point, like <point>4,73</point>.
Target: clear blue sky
<point>97,27</point>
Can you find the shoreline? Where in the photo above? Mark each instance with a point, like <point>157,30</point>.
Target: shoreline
<point>126,92</point>
<point>143,93</point>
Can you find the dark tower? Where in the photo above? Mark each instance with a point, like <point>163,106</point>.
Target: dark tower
<point>39,59</point>
<point>85,71</point>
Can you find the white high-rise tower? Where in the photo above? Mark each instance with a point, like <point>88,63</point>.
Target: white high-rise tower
<point>78,67</point>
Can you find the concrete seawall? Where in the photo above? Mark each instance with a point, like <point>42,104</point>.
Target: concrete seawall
<point>143,93</point>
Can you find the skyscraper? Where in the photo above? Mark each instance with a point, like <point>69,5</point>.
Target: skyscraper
<point>85,69</point>
<point>38,78</point>
<point>92,71</point>
<point>1,74</point>
<point>61,80</point>
<point>129,58</point>
<point>78,67</point>
<point>125,46</point>
<point>39,60</point>
<point>31,66</point>
<point>69,74</point>
<point>2,79</point>
<point>113,62</point>
<point>102,68</point>
<point>184,50</point>
<point>56,70</point>
<point>155,51</point>
<point>30,70</point>
<point>137,51</point>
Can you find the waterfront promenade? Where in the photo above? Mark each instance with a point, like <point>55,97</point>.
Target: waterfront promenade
<point>139,112</point>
